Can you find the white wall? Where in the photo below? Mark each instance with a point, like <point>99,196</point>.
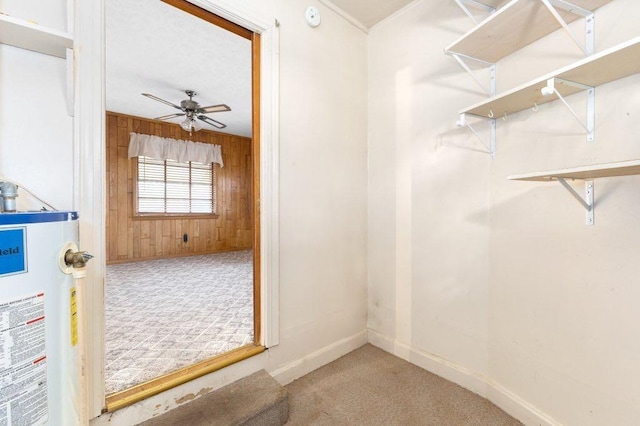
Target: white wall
<point>323,183</point>
<point>495,284</point>
<point>428,192</point>
<point>36,134</point>
<point>564,295</point>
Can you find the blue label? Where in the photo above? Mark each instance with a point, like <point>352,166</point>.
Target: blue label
<point>13,255</point>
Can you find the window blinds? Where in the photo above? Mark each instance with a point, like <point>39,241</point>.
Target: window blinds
<point>172,187</point>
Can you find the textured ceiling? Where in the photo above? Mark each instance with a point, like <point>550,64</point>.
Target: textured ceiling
<point>152,47</point>
<point>155,48</point>
<point>370,12</point>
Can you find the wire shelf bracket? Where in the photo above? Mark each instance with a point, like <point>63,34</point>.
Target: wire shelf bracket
<point>479,5</point>
<point>491,144</point>
<point>589,126</point>
<point>587,202</point>
<point>460,59</point>
<point>588,47</point>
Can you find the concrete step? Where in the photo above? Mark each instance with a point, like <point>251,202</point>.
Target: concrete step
<point>256,400</point>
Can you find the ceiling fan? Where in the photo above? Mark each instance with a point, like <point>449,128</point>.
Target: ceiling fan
<point>192,111</point>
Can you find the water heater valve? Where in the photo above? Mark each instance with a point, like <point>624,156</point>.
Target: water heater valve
<point>77,259</point>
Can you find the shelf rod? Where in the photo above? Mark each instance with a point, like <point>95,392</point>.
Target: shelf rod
<point>491,89</point>
<point>585,48</point>
<point>588,190</point>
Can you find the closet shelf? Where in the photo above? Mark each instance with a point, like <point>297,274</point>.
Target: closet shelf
<point>587,174</point>
<point>20,33</point>
<point>604,67</point>
<point>514,26</point>
<point>622,168</point>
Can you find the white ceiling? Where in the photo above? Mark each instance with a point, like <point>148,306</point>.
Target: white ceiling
<point>370,12</point>
<point>155,48</point>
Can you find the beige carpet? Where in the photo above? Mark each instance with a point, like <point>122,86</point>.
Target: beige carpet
<point>371,387</point>
<point>166,314</point>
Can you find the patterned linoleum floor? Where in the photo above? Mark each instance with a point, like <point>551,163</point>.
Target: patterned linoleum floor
<point>162,315</point>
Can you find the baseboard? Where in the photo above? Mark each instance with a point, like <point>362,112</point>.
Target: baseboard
<point>317,359</point>
<point>468,379</point>
<point>175,255</point>
<point>517,407</point>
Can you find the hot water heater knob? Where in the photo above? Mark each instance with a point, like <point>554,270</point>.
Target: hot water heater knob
<point>77,259</point>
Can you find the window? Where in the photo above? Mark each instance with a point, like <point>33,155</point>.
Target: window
<point>169,187</point>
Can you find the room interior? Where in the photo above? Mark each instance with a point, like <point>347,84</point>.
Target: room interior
<point>178,288</point>
<point>391,222</point>
<point>155,327</point>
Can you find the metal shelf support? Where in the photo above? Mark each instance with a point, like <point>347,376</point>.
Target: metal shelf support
<point>588,48</point>
<point>463,5</point>
<point>587,202</point>
<point>491,88</point>
<point>589,126</point>
<point>491,145</point>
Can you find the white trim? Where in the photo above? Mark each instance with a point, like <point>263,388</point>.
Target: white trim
<point>89,179</point>
<point>353,21</point>
<point>70,16</point>
<point>229,11</point>
<point>517,407</point>
<point>469,379</point>
<point>269,156</point>
<point>89,170</point>
<point>302,366</point>
<point>270,186</point>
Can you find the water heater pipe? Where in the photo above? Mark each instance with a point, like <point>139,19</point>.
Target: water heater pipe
<point>23,188</point>
<point>9,193</point>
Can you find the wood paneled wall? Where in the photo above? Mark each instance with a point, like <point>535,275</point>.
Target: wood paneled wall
<point>131,238</point>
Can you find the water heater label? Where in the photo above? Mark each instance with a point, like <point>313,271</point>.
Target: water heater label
<point>13,251</point>
<point>23,362</point>
<point>74,317</point>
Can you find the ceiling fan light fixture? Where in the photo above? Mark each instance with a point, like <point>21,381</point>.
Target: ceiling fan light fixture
<point>186,124</point>
<point>192,110</point>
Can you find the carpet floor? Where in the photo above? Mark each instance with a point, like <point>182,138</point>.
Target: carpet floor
<point>163,315</point>
<point>371,387</point>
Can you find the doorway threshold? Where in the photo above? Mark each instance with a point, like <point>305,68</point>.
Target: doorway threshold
<point>160,384</point>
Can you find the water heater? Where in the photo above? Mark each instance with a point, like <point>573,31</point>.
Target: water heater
<point>38,320</point>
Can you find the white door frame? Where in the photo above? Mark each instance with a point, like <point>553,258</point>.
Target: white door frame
<point>90,177</point>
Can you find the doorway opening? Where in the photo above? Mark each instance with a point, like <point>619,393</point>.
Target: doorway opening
<point>182,283</point>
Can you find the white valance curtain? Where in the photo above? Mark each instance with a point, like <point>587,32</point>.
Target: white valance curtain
<point>174,149</point>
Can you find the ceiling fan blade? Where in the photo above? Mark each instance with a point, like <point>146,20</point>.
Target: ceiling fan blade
<point>213,108</point>
<point>166,117</point>
<point>155,98</point>
<point>212,122</point>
